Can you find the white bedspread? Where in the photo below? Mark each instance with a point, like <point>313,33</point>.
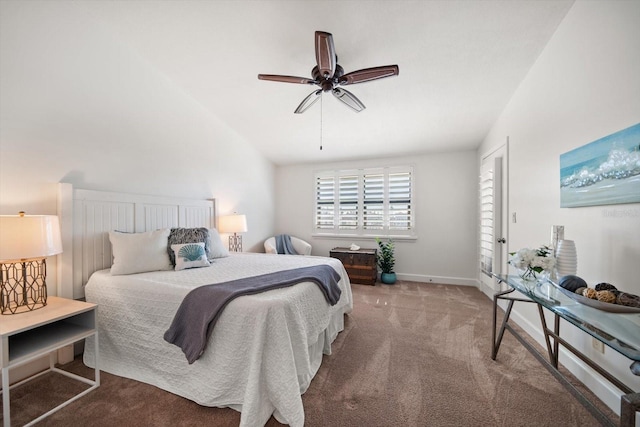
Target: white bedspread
<point>262,354</point>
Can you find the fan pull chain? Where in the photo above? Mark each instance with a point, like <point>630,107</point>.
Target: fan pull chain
<point>321,96</point>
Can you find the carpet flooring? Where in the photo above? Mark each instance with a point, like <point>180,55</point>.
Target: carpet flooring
<point>411,354</point>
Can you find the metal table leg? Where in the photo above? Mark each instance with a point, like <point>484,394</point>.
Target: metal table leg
<point>629,406</point>
<point>497,340</point>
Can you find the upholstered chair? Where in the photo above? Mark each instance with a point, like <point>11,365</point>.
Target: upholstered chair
<point>302,247</point>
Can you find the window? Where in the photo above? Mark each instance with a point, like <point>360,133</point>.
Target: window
<point>365,202</point>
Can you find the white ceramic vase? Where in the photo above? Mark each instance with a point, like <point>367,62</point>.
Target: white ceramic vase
<point>566,258</point>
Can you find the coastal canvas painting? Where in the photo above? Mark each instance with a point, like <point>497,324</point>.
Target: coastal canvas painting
<point>603,172</point>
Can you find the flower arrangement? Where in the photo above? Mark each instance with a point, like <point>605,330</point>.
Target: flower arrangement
<point>531,262</point>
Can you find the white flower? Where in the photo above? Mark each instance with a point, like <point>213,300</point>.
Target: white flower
<point>535,259</point>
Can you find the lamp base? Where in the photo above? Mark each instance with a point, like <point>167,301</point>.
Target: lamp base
<point>235,243</point>
<point>23,286</point>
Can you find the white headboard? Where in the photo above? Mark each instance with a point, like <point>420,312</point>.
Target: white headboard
<point>87,216</point>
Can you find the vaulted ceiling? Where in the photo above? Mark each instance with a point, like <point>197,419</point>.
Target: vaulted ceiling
<point>460,62</point>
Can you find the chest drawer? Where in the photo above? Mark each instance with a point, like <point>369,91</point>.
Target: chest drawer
<point>352,259</point>
<point>360,265</point>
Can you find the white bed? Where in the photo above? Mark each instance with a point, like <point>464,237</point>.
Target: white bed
<point>264,350</point>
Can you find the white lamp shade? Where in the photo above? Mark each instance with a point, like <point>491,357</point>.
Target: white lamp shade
<point>29,236</point>
<point>232,224</point>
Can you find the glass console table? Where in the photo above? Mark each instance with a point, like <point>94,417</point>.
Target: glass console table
<point>620,332</point>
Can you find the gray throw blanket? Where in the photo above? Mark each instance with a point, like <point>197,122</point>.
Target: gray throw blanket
<point>284,245</point>
<point>194,321</point>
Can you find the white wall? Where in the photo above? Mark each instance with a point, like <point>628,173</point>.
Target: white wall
<point>445,200</point>
<point>584,86</point>
<point>79,106</point>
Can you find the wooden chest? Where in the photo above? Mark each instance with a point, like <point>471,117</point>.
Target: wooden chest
<point>361,265</point>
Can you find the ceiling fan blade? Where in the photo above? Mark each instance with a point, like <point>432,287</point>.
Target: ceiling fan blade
<point>286,79</point>
<point>325,54</point>
<point>349,99</point>
<point>369,74</point>
<point>308,101</point>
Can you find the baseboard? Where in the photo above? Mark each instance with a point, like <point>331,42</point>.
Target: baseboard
<point>27,370</point>
<point>591,379</point>
<point>488,290</point>
<point>438,279</point>
<point>62,356</point>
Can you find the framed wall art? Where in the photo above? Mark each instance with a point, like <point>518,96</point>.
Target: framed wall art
<point>603,172</point>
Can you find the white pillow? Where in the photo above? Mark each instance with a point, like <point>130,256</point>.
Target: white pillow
<point>190,255</point>
<point>216,248</point>
<point>139,252</point>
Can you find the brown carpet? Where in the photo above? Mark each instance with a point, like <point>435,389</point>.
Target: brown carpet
<point>412,354</point>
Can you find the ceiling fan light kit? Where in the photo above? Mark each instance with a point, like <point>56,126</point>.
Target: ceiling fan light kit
<point>330,76</point>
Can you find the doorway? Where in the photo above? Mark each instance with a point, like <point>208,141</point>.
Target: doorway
<point>493,218</point>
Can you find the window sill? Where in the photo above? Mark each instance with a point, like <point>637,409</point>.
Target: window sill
<point>361,237</point>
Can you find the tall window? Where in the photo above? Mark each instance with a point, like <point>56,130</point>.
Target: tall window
<point>365,202</point>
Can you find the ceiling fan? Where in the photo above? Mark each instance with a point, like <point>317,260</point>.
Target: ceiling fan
<point>330,76</point>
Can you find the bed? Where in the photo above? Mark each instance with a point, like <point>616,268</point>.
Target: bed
<point>264,349</point>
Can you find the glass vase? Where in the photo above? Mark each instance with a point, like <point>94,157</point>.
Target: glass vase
<point>527,274</point>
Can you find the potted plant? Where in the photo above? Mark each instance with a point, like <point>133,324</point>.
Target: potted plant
<point>386,261</point>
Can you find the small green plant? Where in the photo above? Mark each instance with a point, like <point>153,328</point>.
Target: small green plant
<point>386,259</point>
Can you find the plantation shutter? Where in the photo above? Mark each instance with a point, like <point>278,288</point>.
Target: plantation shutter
<point>370,202</point>
<point>486,222</point>
<point>348,214</point>
<point>400,215</point>
<point>325,202</point>
<point>373,209</point>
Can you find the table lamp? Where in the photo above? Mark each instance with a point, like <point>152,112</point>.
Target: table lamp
<point>233,224</point>
<point>25,243</point>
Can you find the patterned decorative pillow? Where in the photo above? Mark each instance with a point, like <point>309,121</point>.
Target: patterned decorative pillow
<point>190,255</point>
<point>179,236</point>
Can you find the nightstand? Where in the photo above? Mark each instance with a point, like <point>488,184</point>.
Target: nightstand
<point>28,336</point>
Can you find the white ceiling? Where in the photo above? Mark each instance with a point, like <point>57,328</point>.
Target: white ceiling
<point>460,62</point>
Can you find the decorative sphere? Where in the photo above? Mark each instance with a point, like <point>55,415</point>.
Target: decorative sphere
<point>571,282</point>
<point>590,293</point>
<point>605,287</point>
<point>606,296</point>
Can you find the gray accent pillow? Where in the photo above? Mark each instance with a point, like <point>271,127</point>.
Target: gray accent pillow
<point>216,248</point>
<point>179,236</point>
